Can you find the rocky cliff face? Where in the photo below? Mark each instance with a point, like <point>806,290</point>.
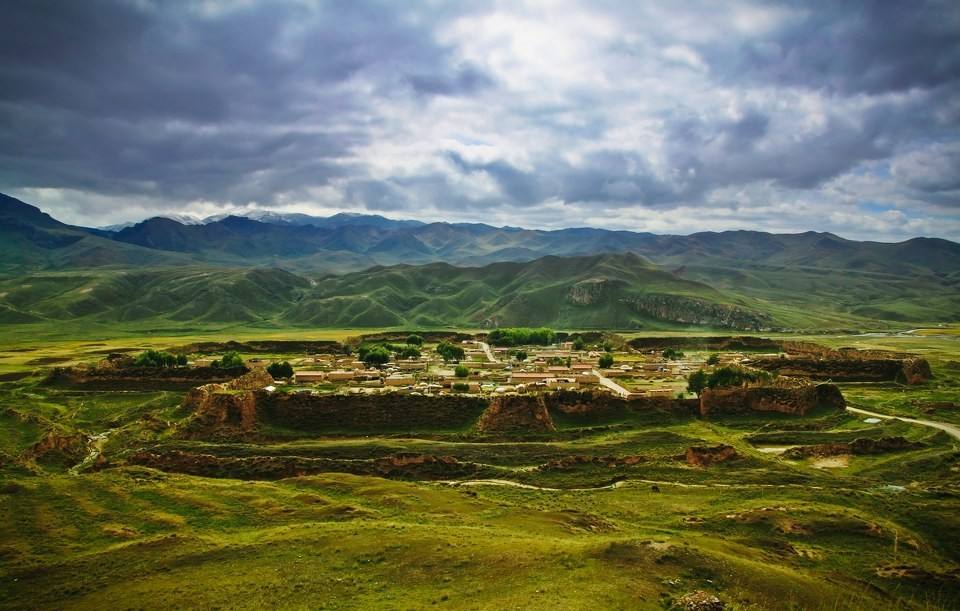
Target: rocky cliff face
<point>856,447</point>
<point>525,413</point>
<point>703,456</point>
<point>787,400</point>
<point>686,310</point>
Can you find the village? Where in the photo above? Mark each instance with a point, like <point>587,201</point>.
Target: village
<point>486,370</point>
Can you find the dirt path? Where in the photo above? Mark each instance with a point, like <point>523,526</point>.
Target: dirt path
<point>506,482</point>
<point>608,383</point>
<point>486,348</point>
<point>950,429</point>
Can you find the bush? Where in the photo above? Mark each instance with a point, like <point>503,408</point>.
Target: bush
<point>579,344</point>
<point>450,352</point>
<point>460,387</point>
<point>280,370</point>
<point>606,361</point>
<point>229,360</point>
<point>520,355</point>
<point>461,371</point>
<point>713,359</point>
<point>377,356</point>
<point>672,354</point>
<point>414,340</point>
<point>181,360</point>
<point>522,337</point>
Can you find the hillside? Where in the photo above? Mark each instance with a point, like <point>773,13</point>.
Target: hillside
<point>390,273</point>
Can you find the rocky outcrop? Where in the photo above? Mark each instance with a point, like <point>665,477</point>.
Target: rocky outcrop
<point>699,601</point>
<point>687,310</point>
<point>857,447</point>
<point>593,291</point>
<point>272,346</point>
<point>797,400</point>
<point>910,371</point>
<point>140,378</point>
<point>704,456</point>
<point>512,413</point>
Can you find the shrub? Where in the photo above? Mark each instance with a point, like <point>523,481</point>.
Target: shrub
<point>181,360</point>
<point>228,361</point>
<point>414,340</point>
<point>461,371</point>
<point>713,359</point>
<point>460,387</point>
<point>606,361</point>
<point>280,370</point>
<point>579,344</point>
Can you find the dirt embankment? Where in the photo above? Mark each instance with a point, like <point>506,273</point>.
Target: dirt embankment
<point>798,400</point>
<point>140,378</point>
<point>266,346</point>
<point>910,371</point>
<point>719,343</point>
<point>857,447</point>
<point>398,466</point>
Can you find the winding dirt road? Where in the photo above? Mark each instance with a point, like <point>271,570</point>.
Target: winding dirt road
<point>950,429</point>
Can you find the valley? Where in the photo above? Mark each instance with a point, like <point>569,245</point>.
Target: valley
<point>342,493</point>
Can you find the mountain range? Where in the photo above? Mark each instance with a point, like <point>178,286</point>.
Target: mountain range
<point>353,270</point>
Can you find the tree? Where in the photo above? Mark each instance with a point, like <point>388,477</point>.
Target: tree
<point>520,355</point>
<point>607,347</point>
<point>579,344</point>
<point>229,360</point>
<point>450,352</point>
<point>606,361</point>
<point>697,381</point>
<point>713,359</point>
<point>672,354</point>
<point>414,340</point>
<point>280,370</point>
<point>157,358</point>
<point>409,352</point>
<point>522,337</point>
<point>377,356</point>
<point>461,371</point>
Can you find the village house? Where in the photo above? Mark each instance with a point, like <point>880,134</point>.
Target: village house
<point>306,377</point>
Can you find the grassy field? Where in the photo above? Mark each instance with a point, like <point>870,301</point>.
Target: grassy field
<point>520,531</point>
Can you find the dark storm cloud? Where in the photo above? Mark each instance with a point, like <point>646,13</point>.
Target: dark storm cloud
<point>405,107</point>
<point>853,47</point>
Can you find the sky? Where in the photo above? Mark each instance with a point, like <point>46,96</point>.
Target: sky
<point>669,117</point>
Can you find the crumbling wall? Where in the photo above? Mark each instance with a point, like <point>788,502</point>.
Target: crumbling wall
<point>362,412</point>
<point>911,371</point>
<point>797,400</point>
<point>510,413</point>
<point>140,378</point>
